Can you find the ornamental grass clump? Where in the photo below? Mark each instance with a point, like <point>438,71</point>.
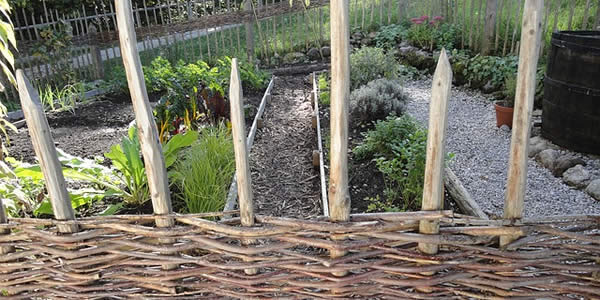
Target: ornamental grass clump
<point>377,100</point>
<point>205,171</point>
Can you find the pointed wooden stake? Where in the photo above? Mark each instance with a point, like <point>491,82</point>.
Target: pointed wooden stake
<point>242,165</point>
<point>433,186</point>
<point>147,132</point>
<point>39,130</point>
<point>519,145</point>
<point>238,128</point>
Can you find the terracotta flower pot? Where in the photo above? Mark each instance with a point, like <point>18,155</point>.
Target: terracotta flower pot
<point>504,115</point>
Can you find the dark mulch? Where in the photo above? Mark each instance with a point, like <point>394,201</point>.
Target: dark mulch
<point>283,178</point>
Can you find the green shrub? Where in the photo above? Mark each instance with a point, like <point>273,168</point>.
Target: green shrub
<point>380,141</point>
<point>324,93</point>
<point>368,64</point>
<point>388,36</point>
<point>510,90</point>
<point>398,146</point>
<point>378,99</point>
<point>204,174</point>
<point>446,36</point>
<point>420,35</point>
<point>495,69</point>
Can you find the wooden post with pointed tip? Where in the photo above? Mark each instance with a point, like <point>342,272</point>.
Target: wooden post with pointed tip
<point>4,220</point>
<point>242,165</point>
<point>519,144</point>
<point>339,197</point>
<point>147,132</point>
<point>43,145</point>
<point>433,185</point>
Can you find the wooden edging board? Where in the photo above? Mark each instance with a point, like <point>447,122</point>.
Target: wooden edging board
<point>315,98</point>
<point>231,200</point>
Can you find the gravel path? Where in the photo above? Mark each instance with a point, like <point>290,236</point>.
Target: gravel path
<point>481,156</point>
<point>283,178</point>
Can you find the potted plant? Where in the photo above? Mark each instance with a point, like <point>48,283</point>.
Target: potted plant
<point>505,108</point>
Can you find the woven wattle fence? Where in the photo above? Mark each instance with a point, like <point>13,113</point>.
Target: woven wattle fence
<point>431,254</point>
<point>115,257</point>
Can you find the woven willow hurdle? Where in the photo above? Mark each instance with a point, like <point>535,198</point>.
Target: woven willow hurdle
<point>431,254</point>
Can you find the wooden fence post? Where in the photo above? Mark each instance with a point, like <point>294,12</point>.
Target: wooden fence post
<point>4,220</point>
<point>490,25</point>
<point>238,129</point>
<point>249,26</point>
<point>97,61</point>
<point>339,204</point>
<point>242,165</point>
<point>433,185</point>
<point>528,59</point>
<point>147,132</point>
<point>339,198</point>
<point>41,138</point>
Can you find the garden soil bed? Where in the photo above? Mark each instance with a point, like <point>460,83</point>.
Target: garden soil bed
<point>94,127</point>
<point>284,181</point>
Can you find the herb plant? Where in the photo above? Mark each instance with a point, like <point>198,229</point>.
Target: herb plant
<point>378,99</point>
<point>368,64</point>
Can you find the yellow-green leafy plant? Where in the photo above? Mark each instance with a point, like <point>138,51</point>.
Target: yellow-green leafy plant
<point>7,62</point>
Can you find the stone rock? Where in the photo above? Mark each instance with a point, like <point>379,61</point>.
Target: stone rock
<point>366,41</point>
<point>489,87</point>
<point>564,163</point>
<point>505,128</point>
<point>326,51</point>
<point>593,189</point>
<point>313,54</point>
<point>294,58</point>
<point>15,115</point>
<point>576,176</point>
<point>357,35</point>
<point>537,144</point>
<point>547,158</point>
<point>372,35</point>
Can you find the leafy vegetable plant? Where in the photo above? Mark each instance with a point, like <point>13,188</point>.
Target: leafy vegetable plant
<point>125,158</point>
<point>370,63</point>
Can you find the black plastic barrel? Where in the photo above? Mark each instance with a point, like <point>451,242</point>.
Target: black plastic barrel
<point>571,106</point>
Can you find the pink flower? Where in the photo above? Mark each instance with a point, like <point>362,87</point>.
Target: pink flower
<point>414,20</point>
<point>418,22</point>
<point>431,22</point>
<point>424,18</point>
<point>438,18</point>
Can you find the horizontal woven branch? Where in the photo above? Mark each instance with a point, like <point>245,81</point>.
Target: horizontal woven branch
<point>126,256</point>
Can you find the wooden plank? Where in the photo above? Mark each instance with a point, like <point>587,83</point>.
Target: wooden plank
<point>147,132</point>
<point>508,18</point>
<point>597,22</point>
<point>461,196</point>
<point>477,43</point>
<point>339,205</point>
<point>584,22</point>
<point>242,164</point>
<point>471,24</point>
<point>499,23</point>
<point>516,26</point>
<point>556,12</point>
<point>525,93</point>
<point>249,33</point>
<point>41,138</point>
<point>463,33</point>
<point>325,202</point>
<point>490,25</point>
<point>571,13</point>
<point>433,185</point>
